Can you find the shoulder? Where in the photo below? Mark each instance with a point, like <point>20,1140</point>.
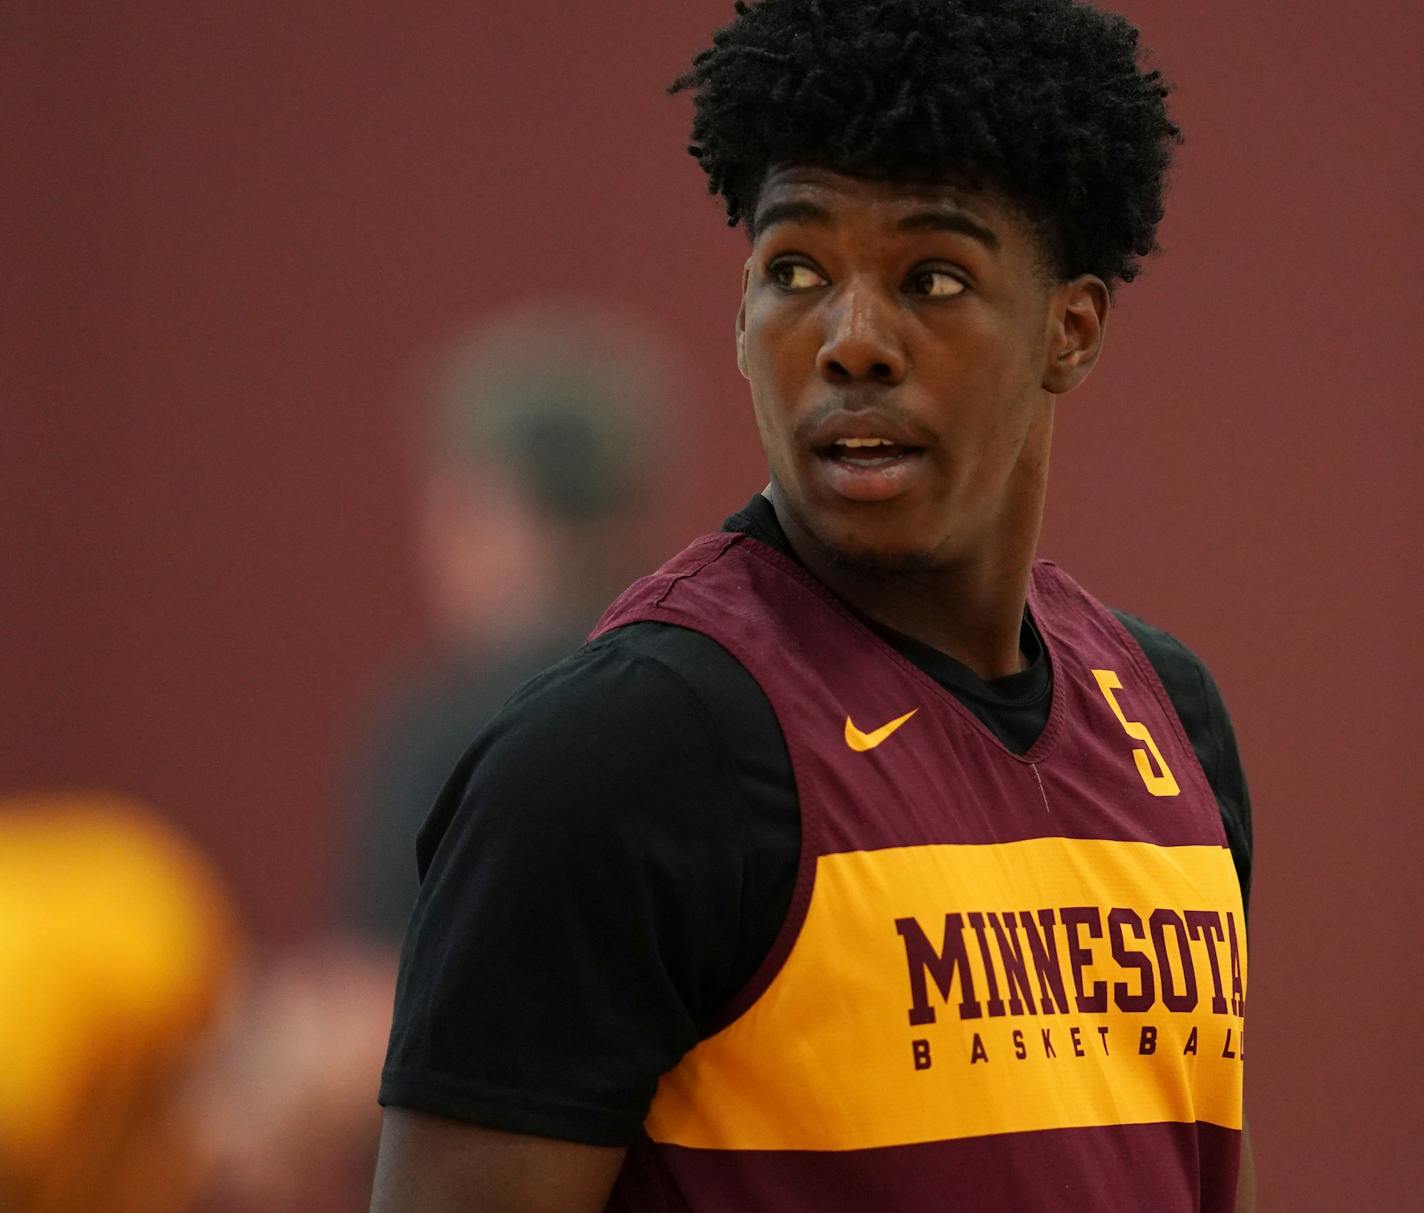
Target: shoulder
<point>1187,681</point>
<point>1207,724</point>
<point>598,820</point>
<point>1172,659</point>
<point>638,683</point>
<point>653,664</point>
<point>645,709</point>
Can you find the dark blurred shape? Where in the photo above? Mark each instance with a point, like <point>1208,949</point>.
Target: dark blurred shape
<point>565,397</point>
<point>537,470</point>
<point>537,466</point>
<point>117,949</point>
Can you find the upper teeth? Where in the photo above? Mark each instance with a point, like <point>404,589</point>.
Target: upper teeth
<point>863,442</point>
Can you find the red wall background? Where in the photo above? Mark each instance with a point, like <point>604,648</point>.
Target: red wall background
<point>226,231</point>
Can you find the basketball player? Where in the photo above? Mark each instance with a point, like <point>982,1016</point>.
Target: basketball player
<point>861,860</point>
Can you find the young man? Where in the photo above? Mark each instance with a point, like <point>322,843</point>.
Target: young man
<point>860,860</point>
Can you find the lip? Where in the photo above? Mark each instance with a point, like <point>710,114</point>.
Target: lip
<point>863,480</point>
<point>879,481</point>
<point>863,423</point>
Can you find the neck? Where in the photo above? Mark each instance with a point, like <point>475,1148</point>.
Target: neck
<point>971,605</point>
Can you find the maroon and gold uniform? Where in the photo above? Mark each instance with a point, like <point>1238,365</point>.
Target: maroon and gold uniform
<point>1007,980</point>
<point>742,884</point>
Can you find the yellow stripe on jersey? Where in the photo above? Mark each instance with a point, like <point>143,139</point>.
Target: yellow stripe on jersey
<point>940,992</point>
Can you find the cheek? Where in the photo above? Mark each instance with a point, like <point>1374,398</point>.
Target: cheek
<point>774,428</point>
<point>1003,362</point>
<point>777,371</point>
<point>782,338</point>
<point>991,397</point>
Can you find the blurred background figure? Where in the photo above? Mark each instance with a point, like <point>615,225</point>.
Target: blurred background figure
<point>118,951</point>
<point>536,469</point>
<point>537,474</point>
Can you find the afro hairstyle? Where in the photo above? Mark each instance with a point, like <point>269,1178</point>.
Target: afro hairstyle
<point>1041,102</point>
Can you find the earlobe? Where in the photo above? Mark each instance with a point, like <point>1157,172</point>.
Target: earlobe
<point>1078,322</point>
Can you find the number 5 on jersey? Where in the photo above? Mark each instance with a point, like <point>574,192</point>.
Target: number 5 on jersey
<point>1164,784</point>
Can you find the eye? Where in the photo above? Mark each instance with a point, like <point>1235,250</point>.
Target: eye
<point>934,284</point>
<point>794,276</point>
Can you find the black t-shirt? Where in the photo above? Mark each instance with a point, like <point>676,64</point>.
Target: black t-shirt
<point>613,857</point>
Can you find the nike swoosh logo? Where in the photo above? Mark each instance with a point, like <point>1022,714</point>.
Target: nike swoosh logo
<point>860,742</point>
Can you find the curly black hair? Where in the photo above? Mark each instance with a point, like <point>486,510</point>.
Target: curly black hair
<point>1040,101</point>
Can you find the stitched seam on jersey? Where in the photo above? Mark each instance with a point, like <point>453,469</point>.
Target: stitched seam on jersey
<point>1217,723</point>
<point>1058,705</point>
<point>812,844</point>
<point>1169,641</point>
<point>1212,722</point>
<point>1169,646</point>
<point>812,841</point>
<point>1145,670</point>
<point>811,847</point>
<point>680,577</point>
<point>721,749</point>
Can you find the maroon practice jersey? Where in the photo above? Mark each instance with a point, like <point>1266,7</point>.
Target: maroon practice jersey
<point>1007,981</point>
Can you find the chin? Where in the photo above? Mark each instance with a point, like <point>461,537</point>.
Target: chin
<point>865,558</point>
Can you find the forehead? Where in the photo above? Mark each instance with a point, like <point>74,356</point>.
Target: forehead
<point>812,194</point>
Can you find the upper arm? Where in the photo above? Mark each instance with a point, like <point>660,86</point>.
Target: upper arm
<point>429,1164</point>
<point>579,911</point>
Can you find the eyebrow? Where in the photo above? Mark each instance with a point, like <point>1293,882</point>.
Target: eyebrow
<point>790,211</point>
<point>801,211</point>
<point>948,221</point>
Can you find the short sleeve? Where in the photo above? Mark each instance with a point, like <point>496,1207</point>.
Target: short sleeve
<point>1228,779</point>
<point>579,906</point>
<point>1207,724</point>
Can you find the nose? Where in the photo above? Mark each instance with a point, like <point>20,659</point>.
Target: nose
<point>862,343</point>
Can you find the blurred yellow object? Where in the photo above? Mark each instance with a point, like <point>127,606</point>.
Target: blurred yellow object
<point>116,945</point>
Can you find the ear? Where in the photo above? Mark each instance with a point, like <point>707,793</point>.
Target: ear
<point>1077,324</point>
<point>742,321</point>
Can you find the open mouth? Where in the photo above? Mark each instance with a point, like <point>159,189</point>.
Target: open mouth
<point>870,453</point>
<point>867,453</point>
